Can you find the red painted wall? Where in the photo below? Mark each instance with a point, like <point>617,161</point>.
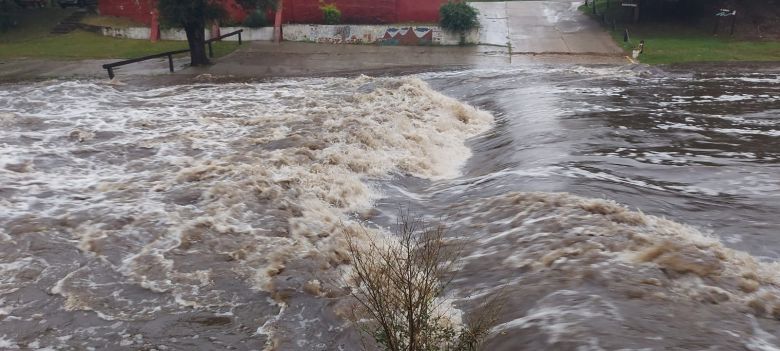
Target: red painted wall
<point>352,11</point>
<point>364,11</point>
<point>137,10</point>
<point>419,10</point>
<point>303,11</point>
<point>140,10</point>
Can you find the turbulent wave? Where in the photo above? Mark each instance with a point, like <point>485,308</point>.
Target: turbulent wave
<point>212,216</point>
<point>194,196</point>
<point>575,270</point>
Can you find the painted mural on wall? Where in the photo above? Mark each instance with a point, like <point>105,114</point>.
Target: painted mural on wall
<point>365,34</point>
<point>408,36</point>
<point>374,34</point>
<point>340,35</point>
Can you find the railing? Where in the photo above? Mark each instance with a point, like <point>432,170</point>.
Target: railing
<point>208,42</point>
<point>110,66</point>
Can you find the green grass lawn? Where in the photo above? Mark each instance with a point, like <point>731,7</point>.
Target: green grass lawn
<point>667,43</point>
<point>31,39</point>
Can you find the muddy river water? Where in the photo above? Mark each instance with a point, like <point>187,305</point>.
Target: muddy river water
<point>614,208</point>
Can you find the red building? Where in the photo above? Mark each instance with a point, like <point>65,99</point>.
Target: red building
<point>141,10</point>
<point>364,11</point>
<point>303,11</point>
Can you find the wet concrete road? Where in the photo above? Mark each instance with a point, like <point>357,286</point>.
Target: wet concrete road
<point>260,60</point>
<point>543,27</point>
<point>305,59</point>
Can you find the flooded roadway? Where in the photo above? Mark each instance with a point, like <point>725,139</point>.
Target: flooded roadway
<point>701,148</point>
<point>616,209</point>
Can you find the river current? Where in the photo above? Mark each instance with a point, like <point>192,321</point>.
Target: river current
<point>613,208</point>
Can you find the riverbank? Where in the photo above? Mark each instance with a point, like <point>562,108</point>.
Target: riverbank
<point>265,60</point>
<point>689,42</point>
<point>32,39</point>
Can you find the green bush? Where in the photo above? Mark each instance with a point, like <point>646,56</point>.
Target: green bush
<point>331,14</point>
<point>230,22</point>
<point>256,19</point>
<point>458,16</point>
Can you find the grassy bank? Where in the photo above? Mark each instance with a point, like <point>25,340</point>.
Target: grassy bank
<point>667,43</point>
<point>31,39</point>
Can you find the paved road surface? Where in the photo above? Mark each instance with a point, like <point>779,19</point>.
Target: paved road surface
<point>262,59</point>
<point>543,27</point>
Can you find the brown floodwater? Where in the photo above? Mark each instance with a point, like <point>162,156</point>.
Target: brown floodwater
<point>612,207</point>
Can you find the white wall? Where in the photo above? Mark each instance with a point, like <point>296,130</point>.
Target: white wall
<point>249,34</point>
<point>332,34</point>
<point>369,34</point>
<point>129,33</point>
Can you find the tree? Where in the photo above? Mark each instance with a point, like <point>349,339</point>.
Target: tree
<point>399,285</point>
<point>193,15</point>
<point>458,16</point>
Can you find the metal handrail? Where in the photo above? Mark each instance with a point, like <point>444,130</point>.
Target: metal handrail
<point>110,66</point>
<point>208,42</point>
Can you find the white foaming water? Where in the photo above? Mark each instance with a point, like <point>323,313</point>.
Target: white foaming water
<point>157,207</point>
<point>761,340</point>
<point>170,189</point>
<point>591,254</point>
<point>559,313</point>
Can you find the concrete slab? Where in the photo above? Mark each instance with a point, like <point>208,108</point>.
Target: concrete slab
<point>541,27</point>
<point>307,59</point>
<point>22,69</point>
<point>535,46</point>
<point>266,60</point>
<point>494,29</point>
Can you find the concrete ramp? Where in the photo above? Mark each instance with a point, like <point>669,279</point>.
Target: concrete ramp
<point>543,27</point>
<point>493,22</point>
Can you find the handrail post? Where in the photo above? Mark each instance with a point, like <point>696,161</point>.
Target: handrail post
<point>110,66</point>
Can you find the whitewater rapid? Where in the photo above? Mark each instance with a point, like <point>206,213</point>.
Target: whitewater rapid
<point>212,216</point>
<point>182,199</point>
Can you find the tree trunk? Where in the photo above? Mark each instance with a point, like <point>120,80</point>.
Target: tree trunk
<point>197,41</point>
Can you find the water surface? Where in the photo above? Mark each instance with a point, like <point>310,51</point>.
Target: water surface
<point>614,208</point>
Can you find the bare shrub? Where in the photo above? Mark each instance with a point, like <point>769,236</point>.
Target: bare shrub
<point>398,287</point>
